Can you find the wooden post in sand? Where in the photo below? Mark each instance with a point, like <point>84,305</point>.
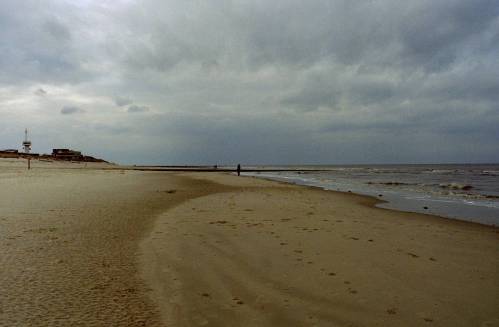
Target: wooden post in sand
<point>238,169</point>
<point>29,163</point>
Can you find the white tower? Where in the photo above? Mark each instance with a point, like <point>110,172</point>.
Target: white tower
<point>26,143</point>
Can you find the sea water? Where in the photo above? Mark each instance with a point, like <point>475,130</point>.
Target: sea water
<point>467,192</point>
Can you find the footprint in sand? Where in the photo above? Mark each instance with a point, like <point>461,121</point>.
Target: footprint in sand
<point>237,300</point>
<point>392,311</point>
<point>221,222</point>
<point>413,255</point>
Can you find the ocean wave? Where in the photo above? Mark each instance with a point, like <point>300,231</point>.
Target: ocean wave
<point>490,173</point>
<point>456,186</point>
<point>442,171</point>
<point>392,183</point>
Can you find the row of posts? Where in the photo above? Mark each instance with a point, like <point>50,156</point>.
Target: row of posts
<point>238,167</point>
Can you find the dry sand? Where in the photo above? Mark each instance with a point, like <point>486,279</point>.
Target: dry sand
<point>83,247</point>
<point>69,241</point>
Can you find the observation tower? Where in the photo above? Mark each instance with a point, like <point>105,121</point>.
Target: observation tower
<point>26,142</point>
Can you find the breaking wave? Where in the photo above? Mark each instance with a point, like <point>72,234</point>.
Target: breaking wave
<point>456,186</point>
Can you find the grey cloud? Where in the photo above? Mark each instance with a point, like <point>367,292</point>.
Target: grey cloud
<point>136,109</point>
<point>40,92</point>
<point>386,33</point>
<point>70,110</point>
<point>475,83</point>
<point>336,87</point>
<point>38,45</point>
<point>313,98</point>
<point>261,81</point>
<point>114,130</point>
<point>120,101</point>
<point>433,36</point>
<point>57,30</point>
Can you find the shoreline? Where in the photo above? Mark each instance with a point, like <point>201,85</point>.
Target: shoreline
<point>395,204</point>
<point>226,234</point>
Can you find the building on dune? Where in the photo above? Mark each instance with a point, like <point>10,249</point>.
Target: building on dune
<point>72,155</point>
<point>67,154</point>
<point>9,153</point>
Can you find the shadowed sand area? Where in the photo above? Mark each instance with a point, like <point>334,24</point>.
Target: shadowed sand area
<point>125,248</point>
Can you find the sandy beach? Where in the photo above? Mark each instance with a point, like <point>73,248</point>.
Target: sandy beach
<point>90,247</point>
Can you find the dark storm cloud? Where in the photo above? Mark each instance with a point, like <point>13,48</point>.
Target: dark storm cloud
<point>261,81</point>
<point>413,33</point>
<point>434,34</point>
<point>70,110</point>
<point>329,89</point>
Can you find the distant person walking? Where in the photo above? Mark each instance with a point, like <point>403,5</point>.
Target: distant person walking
<point>238,170</point>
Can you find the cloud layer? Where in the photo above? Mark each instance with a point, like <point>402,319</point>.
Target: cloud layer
<point>282,81</point>
<point>67,110</point>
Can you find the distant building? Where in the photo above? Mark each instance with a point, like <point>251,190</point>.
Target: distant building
<point>9,153</point>
<point>67,154</point>
<point>72,155</point>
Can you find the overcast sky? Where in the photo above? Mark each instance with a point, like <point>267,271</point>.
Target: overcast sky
<point>253,81</point>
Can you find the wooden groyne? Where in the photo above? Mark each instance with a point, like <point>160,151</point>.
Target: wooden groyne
<point>248,169</point>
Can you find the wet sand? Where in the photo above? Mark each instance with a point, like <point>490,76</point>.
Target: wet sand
<point>271,254</point>
<point>126,248</point>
